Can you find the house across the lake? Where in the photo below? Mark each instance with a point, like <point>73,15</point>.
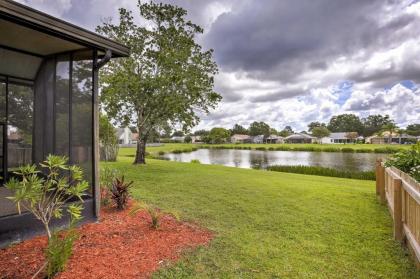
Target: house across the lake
<point>387,137</point>
<point>48,103</point>
<point>124,136</point>
<point>257,139</point>
<point>341,137</point>
<point>238,138</point>
<point>299,138</point>
<point>274,139</point>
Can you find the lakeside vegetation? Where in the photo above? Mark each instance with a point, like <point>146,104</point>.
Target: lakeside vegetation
<point>322,171</point>
<point>272,224</point>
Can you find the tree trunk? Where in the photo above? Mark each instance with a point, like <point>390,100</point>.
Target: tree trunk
<point>140,151</point>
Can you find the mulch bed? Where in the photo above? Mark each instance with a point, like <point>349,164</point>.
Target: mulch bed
<point>120,246</point>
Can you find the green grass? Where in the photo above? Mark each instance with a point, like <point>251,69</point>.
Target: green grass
<point>316,170</point>
<point>272,224</point>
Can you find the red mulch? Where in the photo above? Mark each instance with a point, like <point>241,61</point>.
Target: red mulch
<point>120,246</point>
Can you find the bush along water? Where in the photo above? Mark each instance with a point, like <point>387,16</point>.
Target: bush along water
<point>315,170</point>
<point>407,161</point>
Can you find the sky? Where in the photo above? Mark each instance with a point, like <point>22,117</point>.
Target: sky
<point>295,61</point>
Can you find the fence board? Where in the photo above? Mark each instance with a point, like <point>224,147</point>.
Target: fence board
<point>402,195</point>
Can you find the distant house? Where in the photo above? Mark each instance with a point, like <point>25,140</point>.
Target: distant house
<point>274,139</point>
<point>339,138</point>
<point>134,137</point>
<point>300,138</point>
<point>238,138</point>
<point>196,139</point>
<point>178,139</point>
<point>387,137</point>
<point>124,135</point>
<point>258,139</point>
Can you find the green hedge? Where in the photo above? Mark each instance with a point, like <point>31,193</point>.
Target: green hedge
<point>314,170</point>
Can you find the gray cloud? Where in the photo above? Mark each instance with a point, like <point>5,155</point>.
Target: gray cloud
<point>279,95</point>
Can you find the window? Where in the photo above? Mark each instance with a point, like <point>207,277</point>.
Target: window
<point>20,128</point>
<point>62,106</point>
<point>82,112</point>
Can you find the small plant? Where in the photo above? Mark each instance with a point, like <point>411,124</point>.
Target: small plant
<point>45,191</point>
<point>195,161</point>
<point>161,153</point>
<point>60,245</point>
<point>119,192</point>
<point>107,177</point>
<point>154,213</point>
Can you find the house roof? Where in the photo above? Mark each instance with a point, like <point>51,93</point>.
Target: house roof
<point>27,36</point>
<point>394,136</point>
<point>274,137</point>
<point>299,136</point>
<point>339,135</point>
<point>240,136</point>
<point>65,36</point>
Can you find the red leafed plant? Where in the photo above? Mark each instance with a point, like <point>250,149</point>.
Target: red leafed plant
<point>119,192</point>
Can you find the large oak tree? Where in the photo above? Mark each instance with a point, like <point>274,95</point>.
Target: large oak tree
<point>168,77</point>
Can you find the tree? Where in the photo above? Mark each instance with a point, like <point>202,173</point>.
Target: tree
<point>391,128</point>
<point>188,139</point>
<point>168,78</point>
<point>345,123</point>
<point>201,133</point>
<point>352,136</point>
<point>259,128</point>
<point>108,140</point>
<point>178,134</point>
<point>287,131</point>
<point>218,135</point>
<point>315,124</point>
<point>413,129</point>
<point>320,132</point>
<point>374,123</point>
<point>273,131</point>
<point>238,129</point>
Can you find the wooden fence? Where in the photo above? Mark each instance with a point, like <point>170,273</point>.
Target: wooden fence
<point>402,195</point>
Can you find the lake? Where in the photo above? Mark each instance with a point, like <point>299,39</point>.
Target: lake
<point>262,159</point>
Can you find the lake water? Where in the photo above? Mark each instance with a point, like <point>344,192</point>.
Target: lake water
<point>262,159</point>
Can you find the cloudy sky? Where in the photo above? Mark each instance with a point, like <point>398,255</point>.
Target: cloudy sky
<point>293,62</point>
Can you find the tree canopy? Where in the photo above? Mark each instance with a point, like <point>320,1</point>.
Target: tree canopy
<point>168,77</point>
<point>238,129</point>
<point>259,128</point>
<point>345,123</point>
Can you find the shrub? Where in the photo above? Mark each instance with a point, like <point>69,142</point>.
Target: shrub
<point>177,151</point>
<point>315,170</point>
<point>120,193</point>
<point>271,148</point>
<point>331,149</point>
<point>407,161</point>
<point>107,177</point>
<point>347,150</point>
<point>388,150</point>
<point>195,161</point>
<point>45,196</point>
<point>283,148</point>
<point>161,153</point>
<point>261,148</point>
<point>194,148</point>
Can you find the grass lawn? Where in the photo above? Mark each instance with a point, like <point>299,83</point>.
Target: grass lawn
<point>273,225</point>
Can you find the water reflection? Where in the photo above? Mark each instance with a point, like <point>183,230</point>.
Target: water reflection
<point>262,159</point>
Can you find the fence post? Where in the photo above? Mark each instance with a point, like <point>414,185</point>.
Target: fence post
<point>398,223</point>
<point>378,164</point>
<point>381,182</point>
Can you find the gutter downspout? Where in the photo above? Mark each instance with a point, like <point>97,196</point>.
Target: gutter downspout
<point>103,61</point>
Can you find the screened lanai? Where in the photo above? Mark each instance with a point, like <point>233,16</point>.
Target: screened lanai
<point>48,101</point>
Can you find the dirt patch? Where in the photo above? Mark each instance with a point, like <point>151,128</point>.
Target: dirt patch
<point>120,246</point>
